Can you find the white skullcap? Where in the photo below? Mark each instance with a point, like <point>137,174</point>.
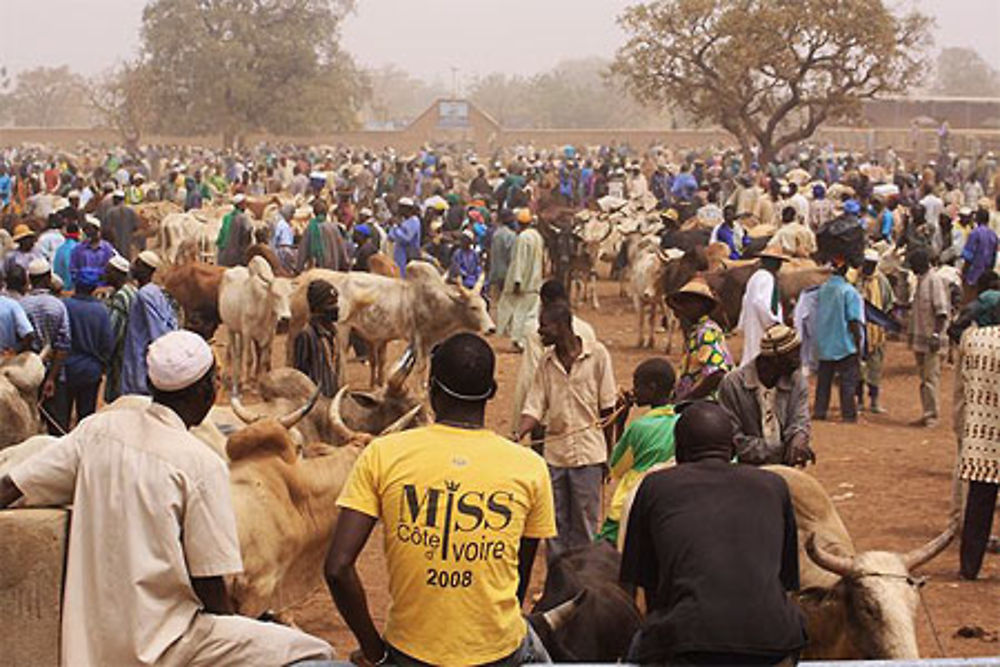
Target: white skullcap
<point>73,194</point>
<point>91,220</point>
<point>405,201</point>
<point>120,263</point>
<point>150,259</point>
<point>871,255</point>
<point>38,267</point>
<point>178,359</point>
<point>239,198</point>
<point>365,212</point>
<point>120,194</point>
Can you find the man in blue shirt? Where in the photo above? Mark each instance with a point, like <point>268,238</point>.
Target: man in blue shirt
<point>92,344</point>
<point>51,324</point>
<point>980,253</point>
<point>90,257</point>
<point>15,328</point>
<point>406,235</point>
<point>465,266</point>
<point>283,238</point>
<point>838,342</point>
<point>150,316</point>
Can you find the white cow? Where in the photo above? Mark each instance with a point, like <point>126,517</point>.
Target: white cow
<point>251,304</point>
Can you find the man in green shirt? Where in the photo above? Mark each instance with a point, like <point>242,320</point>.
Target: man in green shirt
<point>648,442</point>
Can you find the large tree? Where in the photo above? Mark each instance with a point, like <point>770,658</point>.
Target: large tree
<point>49,97</point>
<point>123,98</point>
<point>232,67</point>
<point>964,73</point>
<point>769,71</point>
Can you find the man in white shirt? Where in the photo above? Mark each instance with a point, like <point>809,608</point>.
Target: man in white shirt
<point>933,206</point>
<point>761,303</point>
<point>153,531</point>
<point>799,202</point>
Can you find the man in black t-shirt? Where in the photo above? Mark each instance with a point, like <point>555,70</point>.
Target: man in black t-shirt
<point>713,546</point>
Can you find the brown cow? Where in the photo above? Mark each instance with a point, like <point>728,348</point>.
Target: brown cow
<point>285,516</point>
<point>382,265</point>
<point>195,287</point>
<point>267,252</point>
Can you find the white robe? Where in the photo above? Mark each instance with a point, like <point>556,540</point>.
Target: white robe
<point>756,316</point>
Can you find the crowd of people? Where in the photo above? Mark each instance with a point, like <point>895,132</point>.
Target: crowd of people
<point>712,545</point>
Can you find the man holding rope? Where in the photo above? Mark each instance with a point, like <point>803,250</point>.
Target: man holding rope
<point>574,393</point>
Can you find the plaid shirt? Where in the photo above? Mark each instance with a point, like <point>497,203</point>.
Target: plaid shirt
<point>49,318</point>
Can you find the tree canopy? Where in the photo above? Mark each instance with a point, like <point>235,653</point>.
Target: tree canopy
<point>769,71</point>
<point>45,97</point>
<point>236,66</point>
<point>574,94</point>
<point>963,73</point>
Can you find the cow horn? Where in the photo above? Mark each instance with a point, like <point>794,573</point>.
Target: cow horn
<point>842,565</point>
<point>402,422</point>
<point>917,557</point>
<point>336,421</point>
<point>662,256</point>
<point>560,615</point>
<point>46,354</point>
<point>402,370</point>
<point>243,412</point>
<point>293,418</point>
<point>478,287</point>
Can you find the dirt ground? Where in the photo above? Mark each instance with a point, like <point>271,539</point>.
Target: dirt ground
<point>890,482</point>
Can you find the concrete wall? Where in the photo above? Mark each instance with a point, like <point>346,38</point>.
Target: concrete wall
<point>484,138</point>
<point>32,566</point>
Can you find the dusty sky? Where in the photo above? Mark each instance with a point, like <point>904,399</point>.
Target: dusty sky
<point>426,37</point>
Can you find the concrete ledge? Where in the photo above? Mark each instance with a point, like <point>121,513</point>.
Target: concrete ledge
<point>32,567</point>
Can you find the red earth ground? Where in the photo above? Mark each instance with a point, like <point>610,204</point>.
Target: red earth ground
<point>890,482</point>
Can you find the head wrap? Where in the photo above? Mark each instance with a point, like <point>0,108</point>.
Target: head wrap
<point>319,293</point>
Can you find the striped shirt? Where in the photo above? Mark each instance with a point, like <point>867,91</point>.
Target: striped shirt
<point>49,318</point>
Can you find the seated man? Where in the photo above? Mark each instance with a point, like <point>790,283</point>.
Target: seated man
<point>768,403</point>
<point>648,442</point>
<point>463,511</point>
<point>153,531</point>
<point>714,547</point>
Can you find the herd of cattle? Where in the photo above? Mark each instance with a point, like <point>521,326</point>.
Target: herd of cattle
<point>290,453</point>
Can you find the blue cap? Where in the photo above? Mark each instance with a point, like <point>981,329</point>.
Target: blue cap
<point>852,207</point>
<point>363,229</point>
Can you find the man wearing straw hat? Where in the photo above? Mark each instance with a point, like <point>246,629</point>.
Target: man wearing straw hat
<point>25,251</point>
<point>706,355</point>
<point>768,403</point>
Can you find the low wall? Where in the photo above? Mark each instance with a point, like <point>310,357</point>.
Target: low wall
<point>32,567</point>
<point>922,143</point>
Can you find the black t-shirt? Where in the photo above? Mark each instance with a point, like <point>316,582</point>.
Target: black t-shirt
<point>716,545</point>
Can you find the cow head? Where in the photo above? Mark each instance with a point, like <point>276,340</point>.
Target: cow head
<point>870,612</point>
<point>583,614</point>
<point>337,421</point>
<point>276,292</point>
<point>471,308</point>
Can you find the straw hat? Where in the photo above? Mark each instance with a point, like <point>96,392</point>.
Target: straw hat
<point>773,252</point>
<point>22,231</point>
<point>698,288</point>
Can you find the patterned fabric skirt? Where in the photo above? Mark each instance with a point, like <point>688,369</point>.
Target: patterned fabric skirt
<point>980,459</point>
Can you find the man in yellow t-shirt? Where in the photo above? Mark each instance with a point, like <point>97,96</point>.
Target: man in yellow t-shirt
<point>463,510</point>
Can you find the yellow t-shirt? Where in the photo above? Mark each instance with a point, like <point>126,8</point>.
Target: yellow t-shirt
<point>455,504</point>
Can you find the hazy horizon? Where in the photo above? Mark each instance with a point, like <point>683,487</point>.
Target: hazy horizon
<point>427,39</point>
